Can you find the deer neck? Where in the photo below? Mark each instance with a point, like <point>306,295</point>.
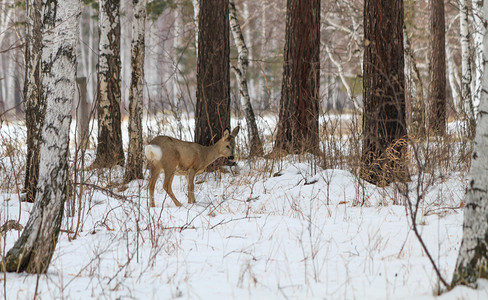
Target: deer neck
<point>211,154</point>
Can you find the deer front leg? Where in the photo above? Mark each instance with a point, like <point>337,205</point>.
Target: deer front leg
<point>168,181</point>
<point>191,186</point>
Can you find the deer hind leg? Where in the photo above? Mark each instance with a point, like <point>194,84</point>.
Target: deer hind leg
<point>191,186</point>
<point>168,182</point>
<point>152,184</point>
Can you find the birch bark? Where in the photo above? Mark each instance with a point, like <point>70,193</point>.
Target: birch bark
<point>472,262</point>
<point>255,145</point>
<point>453,76</point>
<point>466,105</point>
<point>133,168</point>
<point>109,146</point>
<point>5,22</point>
<point>35,102</point>
<point>175,104</point>
<point>33,251</point>
<point>196,13</point>
<point>478,33</point>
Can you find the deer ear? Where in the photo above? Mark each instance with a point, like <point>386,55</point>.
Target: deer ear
<point>235,131</point>
<point>226,133</point>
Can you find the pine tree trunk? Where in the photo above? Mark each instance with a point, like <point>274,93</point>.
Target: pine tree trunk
<point>472,262</point>
<point>298,126</point>
<point>255,146</point>
<point>384,127</point>
<point>34,249</point>
<point>437,97</point>
<point>212,113</point>
<point>414,99</point>
<point>109,146</point>
<point>133,169</point>
<point>35,102</point>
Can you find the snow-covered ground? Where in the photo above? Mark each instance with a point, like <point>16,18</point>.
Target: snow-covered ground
<point>261,230</point>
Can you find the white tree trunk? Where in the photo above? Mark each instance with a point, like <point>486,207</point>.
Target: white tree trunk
<point>176,96</point>
<point>5,21</point>
<point>196,13</point>
<point>133,169</point>
<point>453,76</point>
<point>109,144</point>
<point>472,262</point>
<point>340,71</point>
<point>35,102</point>
<point>478,33</point>
<point>255,145</point>
<point>91,78</point>
<point>125,52</point>
<point>265,91</point>
<point>248,38</point>
<point>466,105</point>
<point>34,249</point>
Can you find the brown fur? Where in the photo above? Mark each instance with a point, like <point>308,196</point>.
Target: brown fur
<point>184,158</point>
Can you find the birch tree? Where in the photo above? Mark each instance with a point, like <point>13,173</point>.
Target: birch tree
<point>133,168</point>
<point>255,146</point>
<point>35,102</point>
<point>472,261</point>
<point>176,97</point>
<point>265,93</point>
<point>478,32</point>
<point>33,251</point>
<point>109,145</point>
<point>6,20</point>
<point>196,13</point>
<point>465,107</point>
<point>453,75</point>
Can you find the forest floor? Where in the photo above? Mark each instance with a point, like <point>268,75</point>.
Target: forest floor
<point>265,229</point>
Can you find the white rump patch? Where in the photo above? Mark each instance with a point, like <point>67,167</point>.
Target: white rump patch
<point>153,152</point>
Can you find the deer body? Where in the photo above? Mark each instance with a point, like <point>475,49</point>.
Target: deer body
<point>177,157</point>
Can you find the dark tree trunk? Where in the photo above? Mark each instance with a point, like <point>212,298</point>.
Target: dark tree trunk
<point>35,102</point>
<point>133,168</point>
<point>384,127</point>
<point>298,127</point>
<point>33,251</point>
<point>437,97</point>
<point>212,113</point>
<point>109,146</point>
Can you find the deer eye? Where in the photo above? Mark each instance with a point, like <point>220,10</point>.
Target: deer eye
<point>228,147</point>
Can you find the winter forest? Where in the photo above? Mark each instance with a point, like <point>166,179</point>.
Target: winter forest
<point>237,149</point>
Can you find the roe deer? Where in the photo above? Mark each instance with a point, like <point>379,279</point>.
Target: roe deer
<point>176,157</point>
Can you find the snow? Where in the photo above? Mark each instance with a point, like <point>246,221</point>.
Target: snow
<point>261,230</point>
